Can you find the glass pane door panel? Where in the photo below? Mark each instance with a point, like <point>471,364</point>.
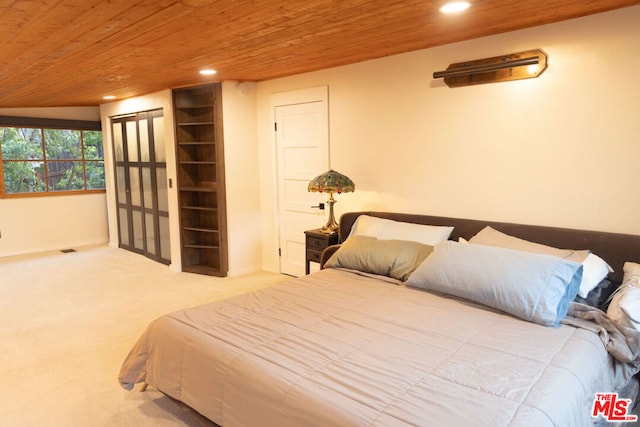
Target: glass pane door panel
<point>165,243</point>
<point>117,142</point>
<point>147,188</point>
<point>163,199</point>
<point>123,221</point>
<point>138,230</point>
<point>132,141</point>
<point>144,140</point>
<point>134,186</point>
<point>122,188</point>
<point>158,139</point>
<point>151,231</point>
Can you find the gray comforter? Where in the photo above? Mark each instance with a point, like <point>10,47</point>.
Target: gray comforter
<point>623,343</point>
<point>340,349</point>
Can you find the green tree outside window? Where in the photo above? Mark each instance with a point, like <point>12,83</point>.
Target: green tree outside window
<point>38,160</point>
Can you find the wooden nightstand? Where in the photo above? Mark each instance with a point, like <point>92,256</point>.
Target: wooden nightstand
<point>316,242</point>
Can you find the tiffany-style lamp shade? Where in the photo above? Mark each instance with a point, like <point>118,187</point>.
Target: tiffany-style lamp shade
<point>331,182</point>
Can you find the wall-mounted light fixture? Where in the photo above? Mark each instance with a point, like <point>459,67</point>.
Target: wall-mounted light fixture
<point>514,66</point>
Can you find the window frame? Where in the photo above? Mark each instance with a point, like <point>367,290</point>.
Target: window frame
<point>42,124</point>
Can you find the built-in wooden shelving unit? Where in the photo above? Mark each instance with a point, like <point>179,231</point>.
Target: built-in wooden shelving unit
<point>200,168</point>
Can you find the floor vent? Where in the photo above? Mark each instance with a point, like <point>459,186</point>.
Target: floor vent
<point>67,251</point>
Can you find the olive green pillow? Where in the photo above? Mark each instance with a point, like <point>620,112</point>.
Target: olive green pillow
<point>392,258</point>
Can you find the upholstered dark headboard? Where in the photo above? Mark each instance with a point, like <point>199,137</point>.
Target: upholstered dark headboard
<point>614,248</point>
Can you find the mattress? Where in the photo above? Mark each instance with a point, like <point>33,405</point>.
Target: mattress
<point>340,348</point>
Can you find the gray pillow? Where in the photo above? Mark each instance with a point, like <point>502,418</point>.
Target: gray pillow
<point>594,268</point>
<point>533,287</point>
<point>392,258</point>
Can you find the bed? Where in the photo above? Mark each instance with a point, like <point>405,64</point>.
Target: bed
<point>353,345</point>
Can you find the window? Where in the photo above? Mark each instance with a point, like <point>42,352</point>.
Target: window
<point>51,159</point>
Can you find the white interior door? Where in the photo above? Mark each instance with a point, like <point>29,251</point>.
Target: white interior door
<point>302,139</point>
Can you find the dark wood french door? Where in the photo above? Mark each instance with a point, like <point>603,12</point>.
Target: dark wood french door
<point>141,182</point>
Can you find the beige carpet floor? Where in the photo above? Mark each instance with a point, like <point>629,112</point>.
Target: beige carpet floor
<point>67,321</point>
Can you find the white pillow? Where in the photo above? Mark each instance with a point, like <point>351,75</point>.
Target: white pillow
<point>624,309</point>
<point>631,273</point>
<point>595,269</point>
<point>386,229</point>
<point>366,225</point>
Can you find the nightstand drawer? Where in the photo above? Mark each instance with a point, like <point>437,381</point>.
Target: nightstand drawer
<point>316,243</point>
<point>314,256</point>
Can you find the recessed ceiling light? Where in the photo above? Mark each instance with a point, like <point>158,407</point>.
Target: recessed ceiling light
<point>208,72</point>
<point>455,7</point>
<point>109,97</point>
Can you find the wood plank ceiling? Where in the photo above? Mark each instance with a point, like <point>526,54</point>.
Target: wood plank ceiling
<point>72,52</point>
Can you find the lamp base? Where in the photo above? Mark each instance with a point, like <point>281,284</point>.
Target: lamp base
<point>331,226</point>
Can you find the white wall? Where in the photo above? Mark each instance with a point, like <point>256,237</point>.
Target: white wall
<point>36,224</point>
<point>242,177</point>
<point>562,149</point>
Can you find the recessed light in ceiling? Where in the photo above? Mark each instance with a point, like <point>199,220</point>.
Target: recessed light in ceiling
<point>455,7</point>
<point>109,97</point>
<point>208,72</point>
